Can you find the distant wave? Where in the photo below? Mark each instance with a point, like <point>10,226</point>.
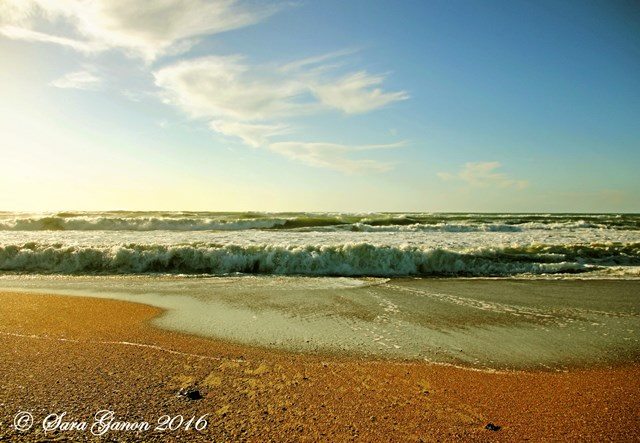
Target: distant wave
<point>354,259</point>
<point>149,221</point>
<point>134,224</point>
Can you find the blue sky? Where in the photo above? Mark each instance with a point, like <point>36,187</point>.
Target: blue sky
<point>331,105</point>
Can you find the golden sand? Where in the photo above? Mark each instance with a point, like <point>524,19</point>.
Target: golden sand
<point>80,355</point>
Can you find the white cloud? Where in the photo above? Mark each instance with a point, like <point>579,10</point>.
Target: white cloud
<point>227,87</point>
<point>250,102</point>
<point>254,135</point>
<point>483,174</point>
<point>18,33</point>
<point>306,63</point>
<point>78,80</point>
<point>146,29</point>
<point>236,98</point>
<point>332,156</point>
<point>356,93</point>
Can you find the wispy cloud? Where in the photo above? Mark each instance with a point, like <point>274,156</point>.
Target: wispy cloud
<point>333,156</point>
<point>217,86</point>
<point>78,80</point>
<point>18,33</point>
<point>255,103</point>
<point>145,29</point>
<point>230,87</point>
<point>317,61</point>
<point>252,101</point>
<point>254,135</point>
<point>483,174</point>
<point>356,93</point>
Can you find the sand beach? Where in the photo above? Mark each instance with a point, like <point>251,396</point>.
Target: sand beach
<point>80,355</point>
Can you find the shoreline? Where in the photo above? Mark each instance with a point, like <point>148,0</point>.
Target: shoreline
<point>259,394</point>
<point>484,324</point>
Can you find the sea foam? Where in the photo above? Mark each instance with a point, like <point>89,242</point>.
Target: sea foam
<point>353,259</point>
<point>380,222</point>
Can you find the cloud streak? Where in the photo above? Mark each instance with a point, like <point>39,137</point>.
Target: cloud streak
<point>483,174</point>
<point>254,135</point>
<point>78,80</point>
<point>18,33</point>
<point>356,93</point>
<point>333,156</point>
<point>146,29</point>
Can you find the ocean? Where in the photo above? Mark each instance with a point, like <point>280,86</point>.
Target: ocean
<point>321,244</point>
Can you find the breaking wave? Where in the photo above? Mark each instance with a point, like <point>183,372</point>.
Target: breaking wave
<point>353,259</point>
<point>380,222</point>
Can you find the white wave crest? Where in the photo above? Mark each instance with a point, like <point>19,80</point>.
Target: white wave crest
<point>352,259</point>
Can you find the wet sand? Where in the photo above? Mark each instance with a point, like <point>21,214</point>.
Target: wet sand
<point>79,355</point>
<point>484,323</point>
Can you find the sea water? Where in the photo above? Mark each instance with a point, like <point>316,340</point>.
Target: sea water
<point>321,244</point>
<point>482,290</point>
<point>482,323</point>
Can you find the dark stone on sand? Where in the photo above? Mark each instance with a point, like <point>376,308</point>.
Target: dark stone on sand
<point>492,427</point>
<point>190,394</point>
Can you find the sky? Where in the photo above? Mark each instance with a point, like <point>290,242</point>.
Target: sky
<point>333,105</point>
